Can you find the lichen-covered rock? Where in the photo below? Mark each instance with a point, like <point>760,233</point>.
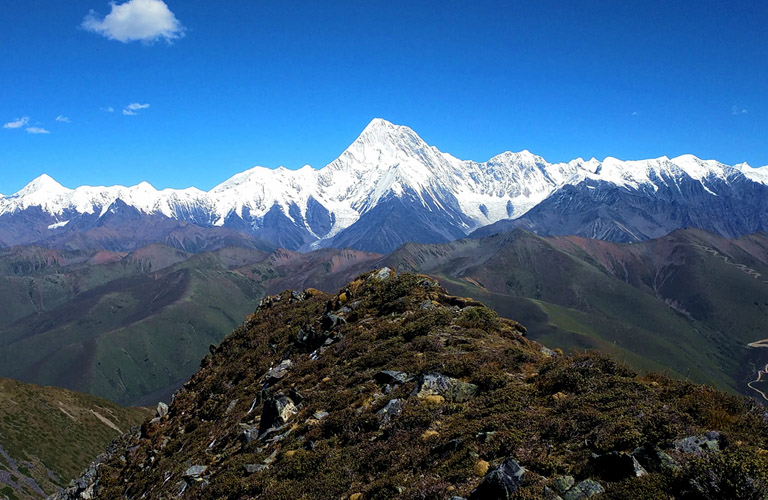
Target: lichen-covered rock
<point>585,489</point>
<point>450,388</point>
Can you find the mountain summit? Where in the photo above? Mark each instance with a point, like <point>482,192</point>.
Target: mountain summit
<point>390,187</point>
<point>393,388</point>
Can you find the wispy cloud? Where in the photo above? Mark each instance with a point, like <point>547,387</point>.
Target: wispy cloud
<point>135,106</point>
<point>738,110</point>
<point>37,130</point>
<point>143,20</point>
<point>108,109</point>
<point>62,119</point>
<point>17,123</point>
<point>132,108</point>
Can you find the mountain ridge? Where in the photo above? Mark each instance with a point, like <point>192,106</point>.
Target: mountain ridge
<point>387,170</point>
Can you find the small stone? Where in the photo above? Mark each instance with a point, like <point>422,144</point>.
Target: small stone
<point>390,410</point>
<point>564,483</point>
<point>615,466</point>
<point>278,372</point>
<point>427,305</point>
<point>585,489</point>
<point>231,406</point>
<point>706,442</point>
<point>382,274</point>
<point>355,496</point>
<point>195,472</point>
<point>446,448</point>
<point>481,468</point>
<point>326,379</point>
<point>253,468</point>
<point>250,434</point>
<point>501,482</point>
<point>391,377</point>
<point>162,410</point>
<point>548,352</point>
<point>450,388</point>
<point>290,453</point>
<point>319,415</point>
<point>559,396</point>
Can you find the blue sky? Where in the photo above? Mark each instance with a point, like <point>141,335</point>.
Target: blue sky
<point>237,83</point>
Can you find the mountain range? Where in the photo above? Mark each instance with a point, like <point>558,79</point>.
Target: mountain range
<point>389,187</point>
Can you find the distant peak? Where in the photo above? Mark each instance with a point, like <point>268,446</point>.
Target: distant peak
<point>377,123</point>
<point>145,186</point>
<point>42,183</point>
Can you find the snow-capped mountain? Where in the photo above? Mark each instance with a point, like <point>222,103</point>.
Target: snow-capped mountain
<point>390,187</point>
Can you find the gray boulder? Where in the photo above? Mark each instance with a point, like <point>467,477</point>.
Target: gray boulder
<point>500,483</point>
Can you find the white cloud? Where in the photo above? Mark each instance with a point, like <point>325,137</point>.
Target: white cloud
<point>144,20</point>
<point>37,130</point>
<point>738,110</point>
<point>108,109</point>
<point>133,107</point>
<point>17,123</point>
<point>63,119</point>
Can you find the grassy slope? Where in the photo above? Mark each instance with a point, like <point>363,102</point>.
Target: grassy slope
<point>548,413</point>
<point>683,304</point>
<point>50,429</point>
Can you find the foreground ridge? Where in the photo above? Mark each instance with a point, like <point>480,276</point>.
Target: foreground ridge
<point>392,387</point>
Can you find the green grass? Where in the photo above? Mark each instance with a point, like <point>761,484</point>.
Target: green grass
<point>35,428</point>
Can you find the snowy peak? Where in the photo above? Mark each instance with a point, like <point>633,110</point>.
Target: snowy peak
<point>385,162</point>
<point>44,184</point>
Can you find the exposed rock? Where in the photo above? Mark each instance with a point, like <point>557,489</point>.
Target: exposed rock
<point>277,411</point>
<point>585,489</point>
<point>705,442</point>
<point>564,483</point>
<point>390,411</point>
<point>653,459</point>
<point>446,448</point>
<point>548,352</point>
<point>250,434</point>
<point>391,377</point>
<point>253,468</point>
<point>231,406</point>
<point>195,472</point>
<point>331,321</point>
<point>278,372</point>
<point>500,483</point>
<point>450,388</point>
<point>162,410</point>
<point>615,466</point>
<point>382,274</point>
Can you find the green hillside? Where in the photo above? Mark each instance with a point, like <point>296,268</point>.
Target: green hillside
<point>49,435</point>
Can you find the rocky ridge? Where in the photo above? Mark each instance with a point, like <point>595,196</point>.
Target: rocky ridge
<point>392,387</point>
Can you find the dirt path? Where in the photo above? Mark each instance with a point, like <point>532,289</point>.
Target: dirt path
<point>727,260</point>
